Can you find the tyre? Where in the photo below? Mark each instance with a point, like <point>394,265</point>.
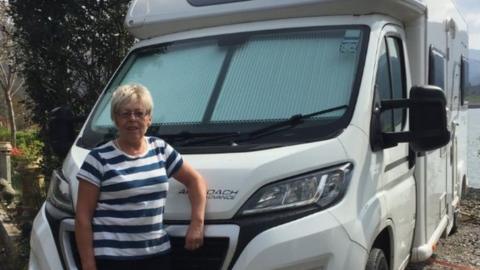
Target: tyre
<point>456,213</point>
<point>376,260</point>
<point>455,222</point>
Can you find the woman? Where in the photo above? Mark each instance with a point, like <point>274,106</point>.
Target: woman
<point>122,192</point>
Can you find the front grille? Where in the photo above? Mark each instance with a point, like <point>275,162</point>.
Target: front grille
<point>209,257</point>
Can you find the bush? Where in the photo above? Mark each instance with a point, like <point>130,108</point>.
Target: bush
<point>29,145</point>
<point>4,134</point>
<point>29,151</point>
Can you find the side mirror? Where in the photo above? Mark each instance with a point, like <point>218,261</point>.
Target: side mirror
<point>427,117</point>
<point>61,132</point>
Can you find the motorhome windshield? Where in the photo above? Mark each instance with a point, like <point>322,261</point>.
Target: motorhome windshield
<point>246,90</point>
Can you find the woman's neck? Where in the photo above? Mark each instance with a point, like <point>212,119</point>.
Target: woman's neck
<point>133,148</point>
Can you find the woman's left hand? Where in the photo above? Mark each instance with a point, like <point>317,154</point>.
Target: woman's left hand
<point>194,238</point>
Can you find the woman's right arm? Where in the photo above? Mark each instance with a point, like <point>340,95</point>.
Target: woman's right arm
<point>86,204</point>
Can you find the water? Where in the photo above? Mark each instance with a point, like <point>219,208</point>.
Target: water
<point>473,151</point>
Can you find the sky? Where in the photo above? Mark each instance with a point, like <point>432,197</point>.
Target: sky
<point>470,10</point>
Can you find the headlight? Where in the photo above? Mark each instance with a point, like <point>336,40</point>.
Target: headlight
<point>59,193</point>
<point>322,188</point>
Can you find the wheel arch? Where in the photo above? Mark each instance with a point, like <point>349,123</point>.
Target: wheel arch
<point>385,241</point>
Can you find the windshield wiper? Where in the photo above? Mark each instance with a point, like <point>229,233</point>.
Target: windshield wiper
<point>293,121</point>
<point>188,137</point>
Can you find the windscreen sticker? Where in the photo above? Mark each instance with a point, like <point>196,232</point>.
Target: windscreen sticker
<point>350,42</point>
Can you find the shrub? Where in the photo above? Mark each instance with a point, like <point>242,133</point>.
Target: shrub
<point>29,145</point>
<point>4,134</point>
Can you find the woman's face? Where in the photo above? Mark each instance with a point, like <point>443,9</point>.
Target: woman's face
<point>132,121</point>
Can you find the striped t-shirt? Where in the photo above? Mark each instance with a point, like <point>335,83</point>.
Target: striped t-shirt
<point>128,219</point>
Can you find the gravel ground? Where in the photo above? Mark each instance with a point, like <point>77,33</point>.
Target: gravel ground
<point>461,250</point>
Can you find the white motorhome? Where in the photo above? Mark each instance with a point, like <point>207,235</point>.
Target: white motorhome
<point>313,121</point>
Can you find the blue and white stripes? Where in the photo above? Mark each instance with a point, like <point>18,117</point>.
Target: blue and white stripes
<point>128,219</point>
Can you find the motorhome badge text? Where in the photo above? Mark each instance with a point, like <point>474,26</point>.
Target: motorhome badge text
<point>217,194</point>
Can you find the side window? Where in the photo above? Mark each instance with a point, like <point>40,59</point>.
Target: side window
<point>382,84</point>
<point>390,82</point>
<point>397,73</point>
<point>436,68</point>
<point>464,82</point>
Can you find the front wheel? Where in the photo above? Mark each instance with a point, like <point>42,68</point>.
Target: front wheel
<point>455,222</point>
<point>376,260</point>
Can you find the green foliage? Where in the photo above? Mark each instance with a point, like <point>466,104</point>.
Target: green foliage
<point>473,99</point>
<point>4,134</point>
<point>29,150</point>
<point>30,146</point>
<point>69,50</point>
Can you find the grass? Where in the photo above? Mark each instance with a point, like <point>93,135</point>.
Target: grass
<point>474,100</point>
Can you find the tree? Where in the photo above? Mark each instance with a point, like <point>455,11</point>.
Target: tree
<point>9,79</point>
<point>68,50</point>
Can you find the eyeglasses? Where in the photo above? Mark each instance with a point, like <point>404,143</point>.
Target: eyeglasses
<point>128,114</point>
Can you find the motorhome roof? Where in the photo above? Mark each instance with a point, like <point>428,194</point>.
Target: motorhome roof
<point>150,18</point>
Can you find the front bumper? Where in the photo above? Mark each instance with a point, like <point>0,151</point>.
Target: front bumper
<point>43,251</point>
<point>314,241</point>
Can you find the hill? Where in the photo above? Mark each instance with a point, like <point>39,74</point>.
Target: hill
<point>474,68</point>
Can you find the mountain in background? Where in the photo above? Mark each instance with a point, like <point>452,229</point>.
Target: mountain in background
<point>473,92</point>
<point>474,70</point>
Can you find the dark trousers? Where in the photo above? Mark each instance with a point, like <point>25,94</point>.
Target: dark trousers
<point>161,262</point>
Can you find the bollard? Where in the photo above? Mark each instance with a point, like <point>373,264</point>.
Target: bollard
<point>5,164</point>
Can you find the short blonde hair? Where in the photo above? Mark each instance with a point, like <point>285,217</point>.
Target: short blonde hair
<point>131,92</point>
